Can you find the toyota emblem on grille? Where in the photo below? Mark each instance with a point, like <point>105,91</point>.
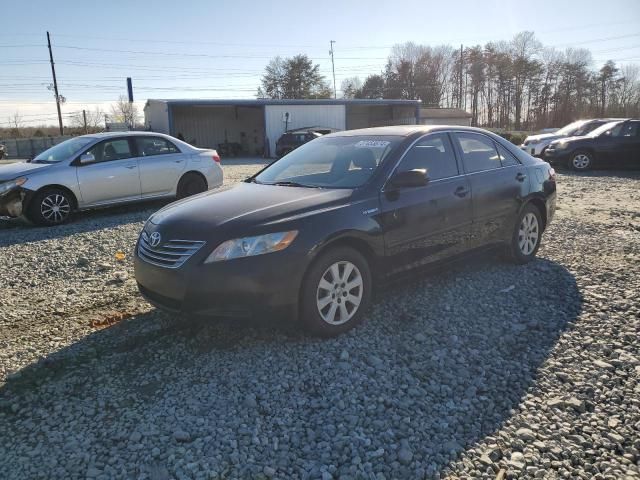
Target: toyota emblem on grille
<point>155,239</point>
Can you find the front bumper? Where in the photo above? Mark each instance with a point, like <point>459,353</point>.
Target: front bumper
<point>555,157</point>
<point>239,287</point>
<point>534,149</point>
<point>12,203</point>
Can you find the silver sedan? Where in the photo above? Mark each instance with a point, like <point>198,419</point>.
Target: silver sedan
<point>104,169</point>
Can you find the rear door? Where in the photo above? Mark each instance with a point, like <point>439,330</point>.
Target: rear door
<point>428,223</point>
<point>113,176</point>
<point>629,145</point>
<point>160,163</point>
<point>498,183</point>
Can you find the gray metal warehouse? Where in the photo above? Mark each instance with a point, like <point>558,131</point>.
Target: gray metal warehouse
<point>256,125</point>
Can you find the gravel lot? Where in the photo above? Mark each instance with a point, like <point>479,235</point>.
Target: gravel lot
<point>487,370</point>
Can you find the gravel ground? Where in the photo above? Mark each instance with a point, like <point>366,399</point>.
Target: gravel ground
<point>486,370</point>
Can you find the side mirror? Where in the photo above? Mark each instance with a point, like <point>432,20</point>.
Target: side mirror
<point>411,178</point>
<point>87,158</point>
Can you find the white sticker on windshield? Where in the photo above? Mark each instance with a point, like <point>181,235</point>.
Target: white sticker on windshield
<point>372,144</point>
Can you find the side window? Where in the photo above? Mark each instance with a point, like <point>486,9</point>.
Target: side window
<point>629,129</point>
<point>478,152</point>
<point>148,146</point>
<point>108,150</point>
<point>506,157</point>
<point>433,153</point>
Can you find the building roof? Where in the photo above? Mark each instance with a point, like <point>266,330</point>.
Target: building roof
<point>261,102</point>
<point>444,113</point>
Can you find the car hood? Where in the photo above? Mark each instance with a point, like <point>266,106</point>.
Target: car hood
<point>543,136</point>
<point>19,169</point>
<point>241,206</point>
<point>573,140</point>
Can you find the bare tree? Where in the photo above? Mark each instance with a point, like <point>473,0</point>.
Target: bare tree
<point>95,120</point>
<point>16,125</point>
<point>124,111</point>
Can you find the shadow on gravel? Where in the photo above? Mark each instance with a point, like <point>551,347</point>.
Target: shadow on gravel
<point>628,173</point>
<point>16,231</point>
<point>441,363</point>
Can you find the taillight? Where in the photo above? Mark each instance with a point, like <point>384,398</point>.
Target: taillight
<point>216,157</point>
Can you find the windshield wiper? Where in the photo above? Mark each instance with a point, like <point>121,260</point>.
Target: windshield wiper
<point>291,184</point>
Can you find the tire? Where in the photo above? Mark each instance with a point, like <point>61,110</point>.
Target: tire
<point>322,309</point>
<point>581,160</point>
<point>51,206</point>
<point>527,235</point>
<point>190,184</point>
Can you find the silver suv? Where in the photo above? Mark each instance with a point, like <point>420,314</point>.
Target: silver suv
<point>105,169</point>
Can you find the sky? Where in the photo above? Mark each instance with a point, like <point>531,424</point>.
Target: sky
<point>215,49</point>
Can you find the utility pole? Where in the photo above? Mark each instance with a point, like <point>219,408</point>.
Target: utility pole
<point>84,117</point>
<point>55,84</point>
<point>460,91</point>
<point>333,67</point>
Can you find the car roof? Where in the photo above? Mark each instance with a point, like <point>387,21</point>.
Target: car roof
<point>403,130</point>
<point>121,134</point>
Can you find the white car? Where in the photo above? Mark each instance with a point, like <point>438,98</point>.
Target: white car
<point>536,144</point>
<point>105,169</point>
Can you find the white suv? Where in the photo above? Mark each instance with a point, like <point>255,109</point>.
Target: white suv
<point>105,169</point>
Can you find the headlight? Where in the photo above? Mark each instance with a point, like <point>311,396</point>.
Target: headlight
<point>532,142</point>
<point>250,246</point>
<point>560,145</point>
<point>11,184</point>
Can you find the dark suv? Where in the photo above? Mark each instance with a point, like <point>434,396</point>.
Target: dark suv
<point>292,139</point>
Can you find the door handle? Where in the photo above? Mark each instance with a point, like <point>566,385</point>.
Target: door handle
<point>129,166</point>
<point>461,192</point>
<point>178,161</point>
<point>521,177</point>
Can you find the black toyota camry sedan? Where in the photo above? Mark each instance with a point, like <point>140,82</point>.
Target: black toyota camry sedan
<point>614,144</point>
<point>314,231</point>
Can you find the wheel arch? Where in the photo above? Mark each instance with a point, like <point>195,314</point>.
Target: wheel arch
<point>54,186</point>
<point>193,172</point>
<point>540,204</point>
<point>358,244</point>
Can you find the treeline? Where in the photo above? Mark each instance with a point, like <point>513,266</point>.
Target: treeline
<point>517,84</point>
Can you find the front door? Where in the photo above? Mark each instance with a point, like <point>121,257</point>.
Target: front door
<point>160,163</point>
<point>498,183</point>
<point>112,177</point>
<point>428,223</point>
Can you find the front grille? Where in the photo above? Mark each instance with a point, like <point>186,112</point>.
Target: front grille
<point>171,254</point>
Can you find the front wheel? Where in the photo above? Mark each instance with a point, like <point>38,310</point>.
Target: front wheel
<point>51,206</point>
<point>581,160</point>
<point>336,292</point>
<point>526,237</point>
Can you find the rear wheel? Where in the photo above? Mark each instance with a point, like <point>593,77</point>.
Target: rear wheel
<point>50,206</point>
<point>526,237</point>
<point>336,292</point>
<point>191,184</point>
<point>581,160</point>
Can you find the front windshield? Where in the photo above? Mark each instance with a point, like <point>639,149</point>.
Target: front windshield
<point>330,162</point>
<point>63,150</point>
<point>615,128</point>
<point>571,129</point>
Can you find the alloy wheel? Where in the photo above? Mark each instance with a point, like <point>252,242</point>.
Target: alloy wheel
<point>55,208</point>
<point>581,161</point>
<point>339,293</point>
<point>528,234</point>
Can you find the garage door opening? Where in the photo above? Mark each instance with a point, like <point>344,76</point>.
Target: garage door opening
<point>364,116</point>
<point>232,130</point>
